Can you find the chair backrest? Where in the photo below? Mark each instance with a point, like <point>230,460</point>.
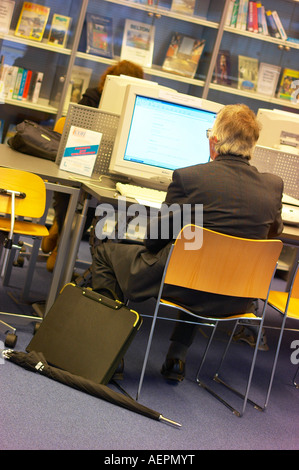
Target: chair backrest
<point>223,264</point>
<point>295,284</point>
<point>33,205</point>
<point>59,125</point>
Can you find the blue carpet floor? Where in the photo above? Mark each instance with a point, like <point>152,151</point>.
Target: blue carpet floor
<point>38,413</point>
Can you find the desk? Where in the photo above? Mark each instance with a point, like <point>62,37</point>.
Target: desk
<point>55,180</point>
<point>104,191</point>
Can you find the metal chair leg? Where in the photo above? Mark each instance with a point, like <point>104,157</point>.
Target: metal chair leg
<point>294,379</point>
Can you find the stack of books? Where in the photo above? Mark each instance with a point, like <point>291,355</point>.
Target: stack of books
<point>252,16</point>
<point>17,83</point>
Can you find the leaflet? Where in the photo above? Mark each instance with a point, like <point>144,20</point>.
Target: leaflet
<point>81,151</point>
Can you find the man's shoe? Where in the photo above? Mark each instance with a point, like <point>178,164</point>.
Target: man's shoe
<point>246,336</point>
<point>50,241</point>
<point>173,369</point>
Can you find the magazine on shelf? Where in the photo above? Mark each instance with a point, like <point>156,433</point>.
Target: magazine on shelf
<point>186,7</point>
<point>183,55</point>
<point>6,12</point>
<point>138,43</point>
<point>59,30</point>
<point>268,78</point>
<point>222,68</point>
<point>32,21</point>
<point>79,82</point>
<point>81,151</point>
<point>247,73</point>
<point>289,85</point>
<point>99,35</point>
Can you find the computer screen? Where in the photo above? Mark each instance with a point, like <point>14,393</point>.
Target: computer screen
<point>280,130</point>
<point>160,131</point>
<point>114,91</point>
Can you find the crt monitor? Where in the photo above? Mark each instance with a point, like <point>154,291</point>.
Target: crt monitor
<point>160,131</point>
<point>114,91</point>
<point>280,130</point>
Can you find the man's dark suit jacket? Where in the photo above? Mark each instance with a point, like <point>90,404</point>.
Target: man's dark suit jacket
<point>237,200</point>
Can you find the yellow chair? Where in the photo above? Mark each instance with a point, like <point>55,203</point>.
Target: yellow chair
<point>287,304</point>
<point>205,260</point>
<point>23,195</point>
<point>59,125</point>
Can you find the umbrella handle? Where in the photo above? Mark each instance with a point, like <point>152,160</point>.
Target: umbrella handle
<point>169,421</point>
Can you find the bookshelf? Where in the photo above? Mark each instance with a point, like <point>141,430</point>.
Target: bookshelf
<point>207,22</point>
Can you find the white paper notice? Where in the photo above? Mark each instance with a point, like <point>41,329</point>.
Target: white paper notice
<point>81,151</point>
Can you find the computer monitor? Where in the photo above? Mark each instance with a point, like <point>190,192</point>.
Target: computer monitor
<point>114,91</point>
<point>158,132</point>
<point>280,130</point>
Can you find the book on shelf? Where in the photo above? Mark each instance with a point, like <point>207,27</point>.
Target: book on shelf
<point>6,12</point>
<point>79,82</point>
<point>22,85</point>
<point>222,68</point>
<point>5,80</point>
<point>247,73</point>
<point>242,15</point>
<point>261,19</point>
<point>252,21</point>
<point>12,75</point>
<point>17,83</point>
<point>183,55</point>
<point>234,13</point>
<point>186,7</point>
<point>2,122</point>
<point>99,35</point>
<point>229,12</point>
<point>59,30</point>
<point>268,76</point>
<point>279,25</point>
<point>289,85</point>
<point>32,21</point>
<point>138,43</point>
<point>272,26</point>
<point>27,85</point>
<point>35,86</point>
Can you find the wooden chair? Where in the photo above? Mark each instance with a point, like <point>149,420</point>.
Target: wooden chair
<point>205,260</point>
<point>287,305</point>
<point>22,195</point>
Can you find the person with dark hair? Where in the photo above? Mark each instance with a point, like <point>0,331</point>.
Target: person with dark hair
<point>91,97</point>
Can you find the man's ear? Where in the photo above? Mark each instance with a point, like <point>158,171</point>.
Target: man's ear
<point>212,142</point>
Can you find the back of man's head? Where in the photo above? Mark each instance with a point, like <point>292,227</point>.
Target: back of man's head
<point>237,130</point>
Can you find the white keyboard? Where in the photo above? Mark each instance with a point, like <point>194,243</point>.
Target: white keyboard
<point>140,193</point>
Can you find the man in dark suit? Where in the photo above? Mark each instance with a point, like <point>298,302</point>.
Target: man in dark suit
<point>237,200</point>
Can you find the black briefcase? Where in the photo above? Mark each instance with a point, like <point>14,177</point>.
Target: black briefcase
<point>86,333</point>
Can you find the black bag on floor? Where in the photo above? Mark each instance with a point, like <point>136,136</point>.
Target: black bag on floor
<point>34,139</point>
<point>86,333</point>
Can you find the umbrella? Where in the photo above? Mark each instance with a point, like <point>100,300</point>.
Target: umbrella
<point>36,362</point>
